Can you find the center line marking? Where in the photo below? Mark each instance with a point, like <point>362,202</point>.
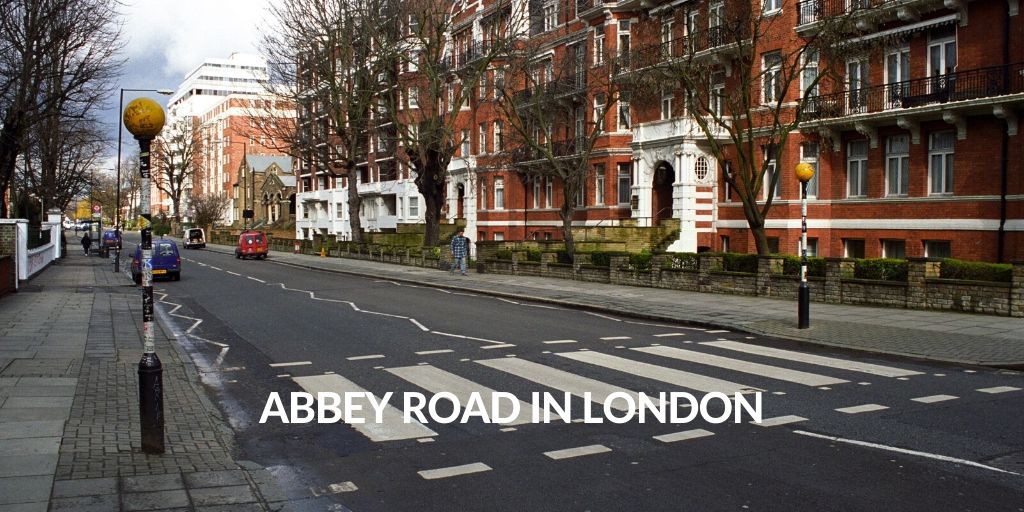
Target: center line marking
<point>428,352</point>
<point>234,273</point>
<point>465,469</point>
<point>215,268</point>
<point>667,334</point>
<point>555,342</point>
<point>579,451</point>
<point>360,358</point>
<point>254,279</point>
<point>296,363</point>
<point>610,338</point>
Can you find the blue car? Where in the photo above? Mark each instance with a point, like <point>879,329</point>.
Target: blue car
<point>166,261</point>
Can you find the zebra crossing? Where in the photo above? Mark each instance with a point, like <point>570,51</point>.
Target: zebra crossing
<point>571,372</point>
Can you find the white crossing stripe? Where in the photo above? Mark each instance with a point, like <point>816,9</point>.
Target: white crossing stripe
<point>764,370</point>
<point>360,358</point>
<point>857,409</point>
<point>556,342</point>
<point>669,334</point>
<point>685,435</point>
<point>579,451</point>
<point>934,398</point>
<point>436,380</point>
<point>659,373</point>
<point>392,427</point>
<point>296,363</point>
<point>831,362</point>
<point>429,352</point>
<point>503,345</point>
<point>610,338</point>
<point>561,380</point>
<point>465,469</point>
<point>779,420</point>
<point>999,389</point>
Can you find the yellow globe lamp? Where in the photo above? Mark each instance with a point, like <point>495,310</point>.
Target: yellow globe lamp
<point>804,172</point>
<point>144,118</point>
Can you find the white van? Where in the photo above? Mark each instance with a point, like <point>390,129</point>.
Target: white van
<point>194,238</point>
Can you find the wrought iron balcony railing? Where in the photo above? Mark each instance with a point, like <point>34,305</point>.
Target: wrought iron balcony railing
<point>665,52</point>
<point>810,11</point>
<point>552,90</point>
<point>951,87</point>
<point>557,149</point>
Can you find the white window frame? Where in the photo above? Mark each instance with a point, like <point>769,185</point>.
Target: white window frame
<point>769,173</point>
<point>599,48</point>
<point>716,98</point>
<point>599,178</point>
<point>897,75</point>
<point>809,74</point>
<point>897,164</point>
<point>856,186</point>
<point>771,6</point>
<point>465,147</point>
<point>536,193</point>
<point>623,118</point>
<point>498,140</point>
<point>549,191</point>
<point>940,164</point>
<point>667,98</point>
<point>413,97</point>
<point>499,193</point>
<point>598,114</point>
<point>414,207</point>
<point>482,139</point>
<point>811,157</point>
<point>624,176</point>
<point>771,69</point>
<point>549,13</point>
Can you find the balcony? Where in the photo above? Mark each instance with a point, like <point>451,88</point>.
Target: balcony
<point>558,149</point>
<point>587,9</point>
<point>554,90</point>
<point>810,12</point>
<point>699,44</point>
<point>897,98</point>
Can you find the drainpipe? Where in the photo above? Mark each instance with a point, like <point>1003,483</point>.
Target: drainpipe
<point>1004,146</point>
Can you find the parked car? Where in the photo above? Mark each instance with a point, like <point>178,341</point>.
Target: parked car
<point>111,240</point>
<point>166,261</point>
<point>194,238</point>
<point>252,244</point>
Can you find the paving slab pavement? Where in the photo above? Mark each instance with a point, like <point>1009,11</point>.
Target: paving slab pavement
<point>944,336</point>
<point>69,425</point>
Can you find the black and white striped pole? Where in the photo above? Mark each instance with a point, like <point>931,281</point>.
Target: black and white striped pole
<point>804,173</point>
<point>144,119</point>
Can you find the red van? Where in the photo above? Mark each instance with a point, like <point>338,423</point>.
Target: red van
<point>251,244</point>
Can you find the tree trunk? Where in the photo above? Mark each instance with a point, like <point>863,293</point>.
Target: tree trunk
<point>760,239</point>
<point>354,204</point>
<point>430,182</point>
<point>570,244</point>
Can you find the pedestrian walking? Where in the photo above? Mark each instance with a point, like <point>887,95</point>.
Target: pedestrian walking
<point>86,242</point>
<point>460,250</point>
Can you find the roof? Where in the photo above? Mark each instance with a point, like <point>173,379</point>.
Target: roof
<point>260,163</point>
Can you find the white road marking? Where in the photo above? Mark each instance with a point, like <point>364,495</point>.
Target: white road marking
<point>508,429</point>
<point>831,362</point>
<point>417,324</point>
<point>685,435</point>
<point>360,358</point>
<point>255,279</point>
<point>436,380</point>
<point>970,371</point>
<point>764,370</point>
<point>460,336</point>
<point>779,420</point>
<point>557,342</point>
<point>392,427</point>
<point>606,317</point>
<point>296,363</point>
<point>934,398</point>
<point>202,264</point>
<point>579,451</point>
<point>999,389</point>
<point>669,334</point>
<point>234,273</point>
<point>465,469</point>
<point>425,440</point>
<point>284,375</point>
<point>659,373</point>
<point>429,352</point>
<point>215,268</point>
<point>905,451</point>
<point>342,487</point>
<point>560,379</point>
<point>857,409</point>
<point>611,338</point>
<point>503,345</point>
<point>719,331</point>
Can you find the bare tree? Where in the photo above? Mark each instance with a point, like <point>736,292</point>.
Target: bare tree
<point>209,209</point>
<point>131,188</point>
<point>59,158</point>
<point>556,114</point>
<point>177,168</point>
<point>57,58</point>
<point>441,65</point>
<point>327,51</point>
<point>745,96</point>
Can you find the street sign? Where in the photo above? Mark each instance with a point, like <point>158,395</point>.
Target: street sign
<point>96,208</point>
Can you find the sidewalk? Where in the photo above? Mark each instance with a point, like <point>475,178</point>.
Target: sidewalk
<point>934,335</point>
<point>69,420</point>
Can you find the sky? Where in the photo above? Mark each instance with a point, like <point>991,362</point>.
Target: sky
<point>165,39</point>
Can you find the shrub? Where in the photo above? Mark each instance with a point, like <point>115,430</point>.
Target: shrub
<point>640,261</point>
<point>600,259</point>
<point>815,266</point>
<point>503,254</point>
<point>735,262</point>
<point>976,271</point>
<point>883,269</point>
<point>533,255</point>
<point>683,261</point>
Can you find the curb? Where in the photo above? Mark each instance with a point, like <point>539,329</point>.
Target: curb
<point>1012,365</point>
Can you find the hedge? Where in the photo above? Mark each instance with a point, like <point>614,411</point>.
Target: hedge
<point>533,255</point>
<point>503,254</point>
<point>640,261</point>
<point>815,266</point>
<point>683,261</point>
<point>976,271</point>
<point>600,259</point>
<point>882,269</point>
<point>735,262</point>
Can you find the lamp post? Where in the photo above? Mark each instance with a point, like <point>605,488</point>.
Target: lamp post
<point>804,172</point>
<point>120,131</point>
<point>144,119</point>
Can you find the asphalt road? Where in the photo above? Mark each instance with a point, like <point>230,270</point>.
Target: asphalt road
<point>899,435</point>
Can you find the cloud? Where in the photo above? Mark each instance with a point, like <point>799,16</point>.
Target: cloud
<point>178,35</point>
